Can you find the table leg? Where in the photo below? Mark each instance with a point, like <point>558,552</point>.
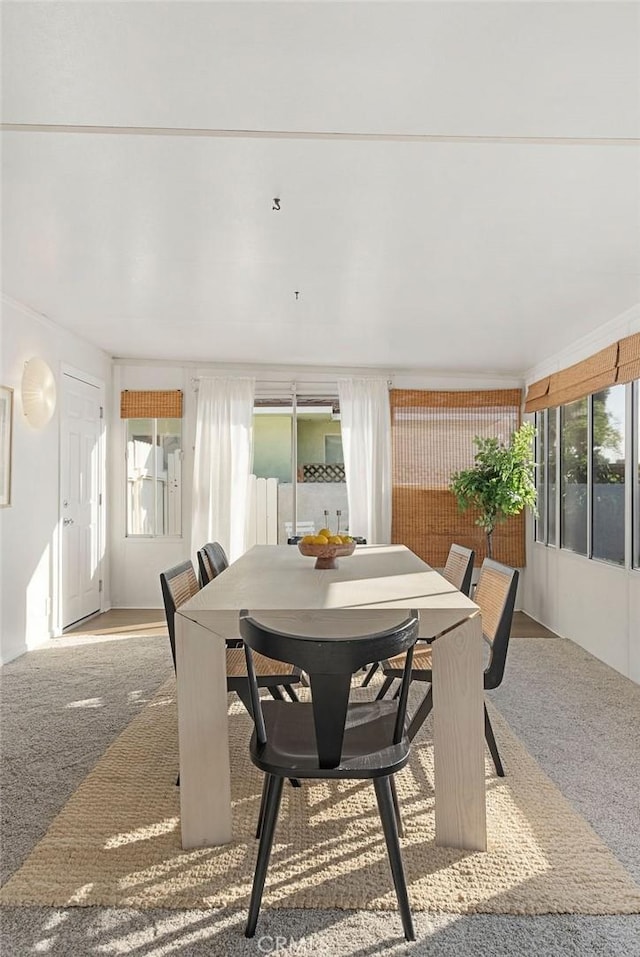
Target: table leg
<point>205,787</point>
<point>458,737</point>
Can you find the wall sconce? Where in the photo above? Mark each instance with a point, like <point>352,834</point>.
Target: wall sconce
<point>38,393</point>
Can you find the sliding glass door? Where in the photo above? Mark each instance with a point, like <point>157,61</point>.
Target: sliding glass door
<point>299,467</point>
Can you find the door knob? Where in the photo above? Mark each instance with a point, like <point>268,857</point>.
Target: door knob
<point>68,521</point>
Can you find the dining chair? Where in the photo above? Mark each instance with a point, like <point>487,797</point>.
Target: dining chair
<point>178,585</point>
<point>495,595</point>
<point>329,737</point>
<point>458,571</point>
<point>212,561</point>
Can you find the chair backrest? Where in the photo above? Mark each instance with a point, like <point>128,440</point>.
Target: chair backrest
<point>330,664</point>
<point>496,597</point>
<point>178,585</point>
<point>459,567</point>
<point>212,561</point>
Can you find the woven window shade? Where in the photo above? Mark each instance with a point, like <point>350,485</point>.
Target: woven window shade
<point>591,375</point>
<point>151,405</point>
<point>629,359</point>
<point>432,437</point>
<point>618,363</point>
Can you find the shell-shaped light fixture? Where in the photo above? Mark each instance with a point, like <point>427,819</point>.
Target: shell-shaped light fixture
<point>38,393</point>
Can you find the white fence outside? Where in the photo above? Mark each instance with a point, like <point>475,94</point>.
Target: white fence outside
<point>262,528</point>
<point>271,506</point>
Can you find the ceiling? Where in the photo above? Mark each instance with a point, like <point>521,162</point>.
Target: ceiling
<point>459,182</point>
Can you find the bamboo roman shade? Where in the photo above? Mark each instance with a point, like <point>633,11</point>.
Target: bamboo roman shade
<point>616,364</point>
<point>432,437</point>
<point>151,405</point>
<point>629,359</point>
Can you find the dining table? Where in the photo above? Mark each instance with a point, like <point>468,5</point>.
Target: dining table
<point>366,592</point>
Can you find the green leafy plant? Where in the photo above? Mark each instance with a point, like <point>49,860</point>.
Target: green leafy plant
<point>501,483</point>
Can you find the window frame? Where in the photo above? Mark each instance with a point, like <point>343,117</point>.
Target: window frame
<point>540,523</point>
<point>633,485</point>
<point>561,529</point>
<point>153,536</point>
<point>631,430</point>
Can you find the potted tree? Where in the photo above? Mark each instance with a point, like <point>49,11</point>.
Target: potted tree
<point>501,483</point>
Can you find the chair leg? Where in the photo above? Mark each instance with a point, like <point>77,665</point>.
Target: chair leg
<point>396,806</point>
<point>242,690</point>
<point>263,801</point>
<point>370,673</point>
<point>388,818</point>
<point>272,806</point>
<point>276,693</point>
<point>421,714</point>
<point>491,741</point>
<point>291,693</point>
<point>386,684</point>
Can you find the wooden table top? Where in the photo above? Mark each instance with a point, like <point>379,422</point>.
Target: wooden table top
<point>375,579</point>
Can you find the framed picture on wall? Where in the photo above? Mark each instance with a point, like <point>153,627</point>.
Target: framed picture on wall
<point>6,422</point>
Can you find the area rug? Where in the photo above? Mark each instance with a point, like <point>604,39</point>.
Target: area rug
<point>117,840</point>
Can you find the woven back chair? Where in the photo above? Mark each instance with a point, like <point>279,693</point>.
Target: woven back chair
<point>212,561</point>
<point>178,585</point>
<point>329,737</point>
<point>459,568</point>
<point>495,595</point>
<point>458,571</point>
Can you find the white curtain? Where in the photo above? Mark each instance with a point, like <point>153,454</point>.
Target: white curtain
<point>366,440</point>
<point>222,465</point>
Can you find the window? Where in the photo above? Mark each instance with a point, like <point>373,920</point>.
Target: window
<point>333,454</point>
<point>541,477</point>
<point>546,478</point>
<point>590,437</point>
<point>608,468</point>
<point>552,478</point>
<point>154,477</point>
<point>301,452</point>
<point>588,454</point>
<point>574,475</point>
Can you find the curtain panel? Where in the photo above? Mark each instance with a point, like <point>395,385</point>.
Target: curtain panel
<point>222,463</point>
<point>432,437</point>
<point>366,442</point>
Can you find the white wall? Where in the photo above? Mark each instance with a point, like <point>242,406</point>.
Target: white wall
<point>28,528</point>
<point>593,603</point>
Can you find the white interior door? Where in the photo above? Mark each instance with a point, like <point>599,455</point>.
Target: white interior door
<point>80,499</point>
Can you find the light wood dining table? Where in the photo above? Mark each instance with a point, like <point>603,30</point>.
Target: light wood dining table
<point>368,591</point>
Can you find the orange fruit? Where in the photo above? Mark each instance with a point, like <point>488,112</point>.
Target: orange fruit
<point>308,539</point>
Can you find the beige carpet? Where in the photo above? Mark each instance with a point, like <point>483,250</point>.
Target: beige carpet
<point>117,841</point>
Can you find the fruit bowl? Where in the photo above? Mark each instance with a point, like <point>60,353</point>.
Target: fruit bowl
<point>325,555</point>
